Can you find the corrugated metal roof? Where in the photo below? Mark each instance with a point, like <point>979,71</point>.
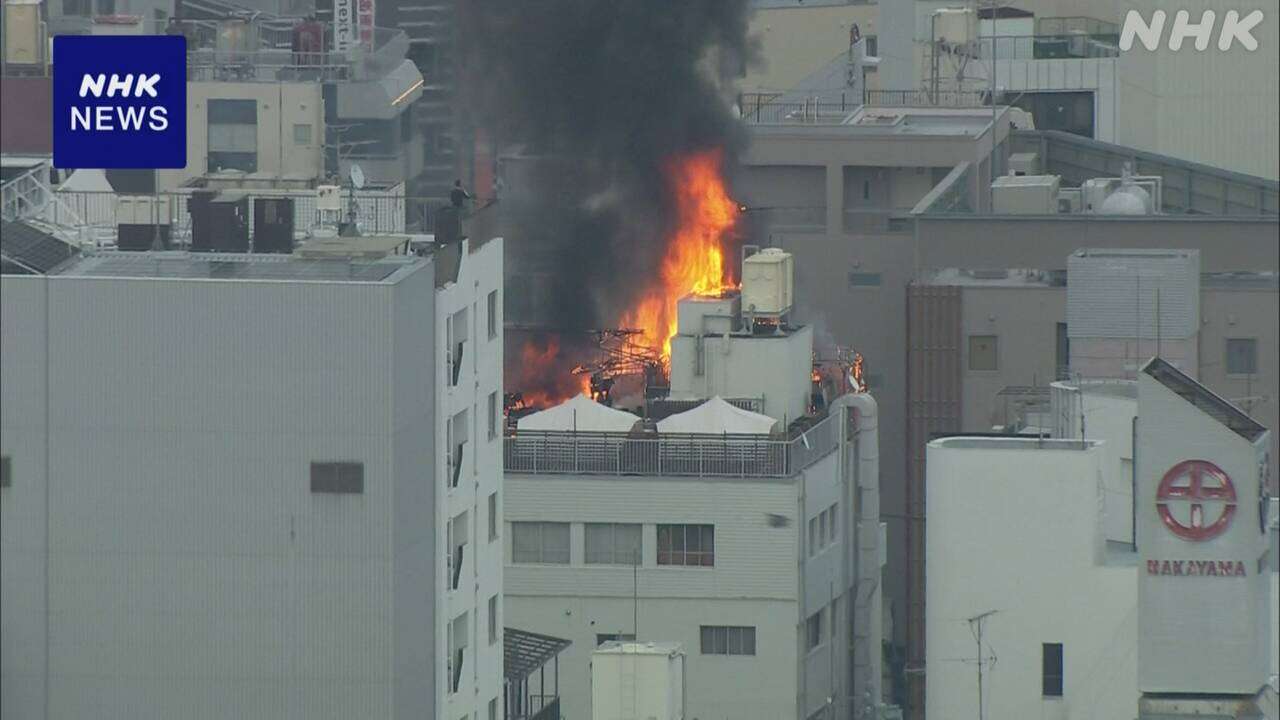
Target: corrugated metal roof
<point>524,651</point>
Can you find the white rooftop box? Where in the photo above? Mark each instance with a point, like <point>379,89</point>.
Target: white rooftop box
<point>768,282</point>
<point>1025,195</point>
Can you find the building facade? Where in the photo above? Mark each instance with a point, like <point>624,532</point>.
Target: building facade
<point>252,514</point>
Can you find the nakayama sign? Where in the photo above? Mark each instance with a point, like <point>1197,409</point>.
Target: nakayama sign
<point>120,101</point>
<point>1196,501</point>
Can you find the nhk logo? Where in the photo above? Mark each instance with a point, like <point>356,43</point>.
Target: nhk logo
<point>120,101</point>
<point>100,117</point>
<point>1233,29</point>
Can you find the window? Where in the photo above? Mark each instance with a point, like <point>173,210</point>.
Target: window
<point>337,477</point>
<point>493,516</point>
<point>493,415</point>
<point>1242,356</point>
<point>1062,350</point>
<point>1051,674</point>
<point>728,640</point>
<point>493,314</point>
<point>612,544</point>
<point>302,134</point>
<point>813,631</point>
<point>824,528</point>
<point>6,471</point>
<point>493,619</point>
<point>835,605</point>
<point>690,545</point>
<point>233,135</point>
<point>602,638</point>
<point>540,542</point>
<point>493,709</point>
<point>813,536</point>
<point>982,352</point>
<point>873,46</point>
<point>864,279</point>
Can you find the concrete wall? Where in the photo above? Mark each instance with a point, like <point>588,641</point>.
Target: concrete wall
<point>1015,529</point>
<point>795,41</point>
<point>162,551</point>
<point>755,582</point>
<point>480,375</point>
<point>1024,321</point>
<point>280,107</point>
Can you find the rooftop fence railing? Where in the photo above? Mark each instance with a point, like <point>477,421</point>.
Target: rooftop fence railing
<point>602,453</point>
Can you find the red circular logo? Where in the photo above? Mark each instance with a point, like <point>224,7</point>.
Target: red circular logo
<point>1191,484</point>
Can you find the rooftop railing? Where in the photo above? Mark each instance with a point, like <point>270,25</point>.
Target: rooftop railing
<point>602,453</point>
<point>1050,47</point>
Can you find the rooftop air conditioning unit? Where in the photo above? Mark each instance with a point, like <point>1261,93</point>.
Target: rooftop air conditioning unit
<point>1024,163</point>
<point>1025,195</point>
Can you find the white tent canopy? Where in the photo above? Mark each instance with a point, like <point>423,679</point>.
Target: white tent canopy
<point>716,416</point>
<point>579,413</point>
<point>87,180</point>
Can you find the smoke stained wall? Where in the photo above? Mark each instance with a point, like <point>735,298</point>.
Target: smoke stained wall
<point>602,95</point>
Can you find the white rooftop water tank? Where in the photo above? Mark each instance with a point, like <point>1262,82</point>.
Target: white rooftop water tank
<point>1127,200</point>
<point>768,282</point>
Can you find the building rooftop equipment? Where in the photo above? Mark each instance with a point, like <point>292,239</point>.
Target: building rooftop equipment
<point>1205,399</point>
<point>234,266</point>
<point>27,250</point>
<point>617,647</point>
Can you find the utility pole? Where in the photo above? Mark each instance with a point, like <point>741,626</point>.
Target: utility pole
<point>975,626</point>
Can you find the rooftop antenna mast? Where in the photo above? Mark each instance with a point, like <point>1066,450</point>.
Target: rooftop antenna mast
<point>975,626</point>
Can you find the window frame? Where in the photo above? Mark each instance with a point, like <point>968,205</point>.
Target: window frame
<point>1049,681</point>
<point>337,477</point>
<point>494,635</point>
<point>492,310</point>
<point>615,554</point>
<point>672,557</point>
<point>493,415</point>
<point>995,353</point>
<point>493,516</point>
<point>6,471</point>
<point>1253,356</point>
<point>813,635</point>
<point>542,527</point>
<point>724,639</point>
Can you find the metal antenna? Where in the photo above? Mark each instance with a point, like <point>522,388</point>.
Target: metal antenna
<point>975,626</point>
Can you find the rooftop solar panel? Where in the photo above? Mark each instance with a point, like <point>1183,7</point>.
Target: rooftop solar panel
<point>31,249</point>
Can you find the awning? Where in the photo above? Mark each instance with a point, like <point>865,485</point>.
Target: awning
<point>718,417</point>
<point>579,414</point>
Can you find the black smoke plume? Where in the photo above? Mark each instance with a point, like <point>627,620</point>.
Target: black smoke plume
<point>606,92</point>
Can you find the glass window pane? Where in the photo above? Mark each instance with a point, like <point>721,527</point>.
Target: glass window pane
<point>749,641</point>
<point>555,543</point>
<point>734,640</point>
<point>524,542</point>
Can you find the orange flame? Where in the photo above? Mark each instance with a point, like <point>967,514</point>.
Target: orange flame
<point>695,253</point>
<point>543,379</point>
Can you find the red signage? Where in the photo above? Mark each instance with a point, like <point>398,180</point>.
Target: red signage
<point>364,20</point>
<point>1192,484</point>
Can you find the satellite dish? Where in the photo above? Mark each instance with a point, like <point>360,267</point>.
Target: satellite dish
<point>357,176</point>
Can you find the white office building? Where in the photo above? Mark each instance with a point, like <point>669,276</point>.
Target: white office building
<point>753,545</point>
<point>228,489</point>
<point>1032,550</point>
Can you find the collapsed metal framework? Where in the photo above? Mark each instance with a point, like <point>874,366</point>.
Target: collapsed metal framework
<point>622,354</point>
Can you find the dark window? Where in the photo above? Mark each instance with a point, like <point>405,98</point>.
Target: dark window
<point>602,638</point>
<point>493,619</point>
<point>493,314</point>
<point>728,640</point>
<point>493,517</point>
<point>1062,351</point>
<point>1242,356</point>
<point>233,135</point>
<point>1051,675</point>
<point>690,545</point>
<point>337,477</point>
<point>813,631</point>
<point>864,279</point>
<point>1067,111</point>
<point>77,8</point>
<point>493,415</point>
<point>983,353</point>
<point>6,471</point>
